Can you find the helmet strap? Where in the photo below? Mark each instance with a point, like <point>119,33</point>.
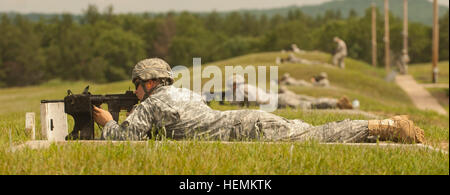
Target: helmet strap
<point>147,92</point>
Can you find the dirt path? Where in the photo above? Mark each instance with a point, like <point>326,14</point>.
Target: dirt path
<point>421,98</point>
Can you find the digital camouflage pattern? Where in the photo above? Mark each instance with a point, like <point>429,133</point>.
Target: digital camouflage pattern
<point>179,113</point>
<point>152,68</point>
<point>286,79</point>
<point>287,98</point>
<point>402,62</point>
<point>321,80</point>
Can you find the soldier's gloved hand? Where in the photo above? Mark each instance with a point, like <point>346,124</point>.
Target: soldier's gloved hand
<point>101,116</point>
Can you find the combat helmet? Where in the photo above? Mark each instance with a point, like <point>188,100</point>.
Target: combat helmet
<point>152,68</point>
<point>149,69</point>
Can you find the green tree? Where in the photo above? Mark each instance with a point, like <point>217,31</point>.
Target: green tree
<point>166,30</point>
<point>286,34</point>
<point>182,50</point>
<point>233,24</point>
<point>419,43</point>
<point>443,37</point>
<point>213,22</point>
<point>20,52</point>
<point>121,50</point>
<point>239,45</point>
<point>2,74</point>
<point>91,15</point>
<point>323,36</point>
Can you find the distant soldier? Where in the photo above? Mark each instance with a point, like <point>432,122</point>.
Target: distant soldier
<point>293,59</point>
<point>286,79</point>
<point>402,62</point>
<point>278,60</point>
<point>321,80</point>
<point>340,54</point>
<point>179,113</point>
<point>297,60</point>
<point>287,98</point>
<point>242,94</point>
<point>295,49</point>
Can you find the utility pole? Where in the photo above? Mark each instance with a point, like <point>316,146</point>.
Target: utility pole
<point>386,35</point>
<point>374,36</point>
<point>405,25</point>
<point>435,41</point>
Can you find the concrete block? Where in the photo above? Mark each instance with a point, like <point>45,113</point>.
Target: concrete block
<point>30,124</point>
<point>53,121</point>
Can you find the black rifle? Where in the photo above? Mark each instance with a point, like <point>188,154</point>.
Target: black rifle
<point>80,106</point>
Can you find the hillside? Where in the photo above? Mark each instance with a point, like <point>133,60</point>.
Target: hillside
<point>359,80</point>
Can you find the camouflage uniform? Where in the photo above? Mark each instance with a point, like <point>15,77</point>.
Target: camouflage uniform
<point>179,113</point>
<point>293,59</point>
<point>286,79</point>
<point>238,92</point>
<point>321,80</point>
<point>287,98</point>
<point>341,53</point>
<point>298,60</point>
<point>402,63</point>
<point>295,49</point>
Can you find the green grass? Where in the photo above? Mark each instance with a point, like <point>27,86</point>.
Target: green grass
<point>359,81</point>
<point>220,158</point>
<point>441,95</point>
<point>423,72</point>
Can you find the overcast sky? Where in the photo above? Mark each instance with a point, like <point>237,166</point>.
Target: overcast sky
<point>126,6</point>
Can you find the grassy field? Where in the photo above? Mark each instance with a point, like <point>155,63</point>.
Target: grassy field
<point>441,95</point>
<point>359,81</point>
<point>423,72</point>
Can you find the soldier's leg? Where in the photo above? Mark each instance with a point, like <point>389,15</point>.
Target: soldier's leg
<point>397,129</point>
<point>303,83</point>
<point>335,59</point>
<point>269,127</point>
<point>324,103</point>
<point>291,100</point>
<point>400,67</point>
<point>341,62</point>
<point>346,131</point>
<point>263,126</point>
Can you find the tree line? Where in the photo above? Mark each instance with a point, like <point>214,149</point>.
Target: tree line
<point>103,46</point>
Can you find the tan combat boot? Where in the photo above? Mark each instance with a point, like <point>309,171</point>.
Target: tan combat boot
<point>397,129</point>
<point>344,103</point>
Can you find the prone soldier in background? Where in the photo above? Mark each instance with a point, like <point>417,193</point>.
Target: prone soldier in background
<point>320,80</point>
